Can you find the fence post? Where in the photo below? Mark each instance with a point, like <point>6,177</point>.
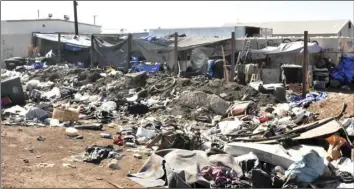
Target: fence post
<point>233,43</point>
<point>59,47</point>
<point>304,66</point>
<point>175,62</point>
<point>129,49</point>
<point>92,51</point>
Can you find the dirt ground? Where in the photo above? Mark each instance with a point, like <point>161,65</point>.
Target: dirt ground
<point>332,106</point>
<point>19,143</point>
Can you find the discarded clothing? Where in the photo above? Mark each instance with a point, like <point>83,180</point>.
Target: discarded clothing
<point>95,154</point>
<point>37,113</point>
<point>299,101</point>
<point>261,179</point>
<point>182,168</point>
<point>308,169</point>
<point>220,175</point>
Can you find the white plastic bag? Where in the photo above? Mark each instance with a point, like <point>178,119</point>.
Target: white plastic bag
<point>109,106</point>
<point>230,127</point>
<point>142,132</point>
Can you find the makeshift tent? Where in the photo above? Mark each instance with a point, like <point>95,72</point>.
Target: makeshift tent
<point>159,50</point>
<point>73,48</point>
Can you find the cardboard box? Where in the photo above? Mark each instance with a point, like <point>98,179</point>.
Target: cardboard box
<point>65,115</point>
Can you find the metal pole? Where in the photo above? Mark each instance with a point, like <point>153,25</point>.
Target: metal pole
<point>233,49</point>
<point>38,13</point>
<point>75,17</point>
<point>59,46</point>
<point>94,19</point>
<point>129,49</point>
<point>304,66</point>
<point>175,62</point>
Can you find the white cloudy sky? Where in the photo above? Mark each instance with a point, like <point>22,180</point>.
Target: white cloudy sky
<point>139,15</point>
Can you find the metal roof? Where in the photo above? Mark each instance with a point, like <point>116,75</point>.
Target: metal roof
<point>48,19</point>
<point>298,27</point>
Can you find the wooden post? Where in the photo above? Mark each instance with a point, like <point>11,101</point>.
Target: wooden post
<point>129,49</point>
<point>233,49</point>
<point>92,51</point>
<point>304,66</point>
<point>75,18</point>
<point>175,62</point>
<point>59,47</point>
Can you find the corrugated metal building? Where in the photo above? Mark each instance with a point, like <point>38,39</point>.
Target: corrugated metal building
<point>324,28</point>
<point>16,35</point>
<point>240,31</point>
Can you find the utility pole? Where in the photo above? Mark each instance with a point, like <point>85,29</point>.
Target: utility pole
<point>38,13</point>
<point>94,19</point>
<point>75,17</point>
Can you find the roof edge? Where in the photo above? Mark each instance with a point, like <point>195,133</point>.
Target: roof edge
<point>47,19</point>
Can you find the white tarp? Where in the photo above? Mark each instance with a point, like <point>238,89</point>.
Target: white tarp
<point>69,39</point>
<point>286,48</point>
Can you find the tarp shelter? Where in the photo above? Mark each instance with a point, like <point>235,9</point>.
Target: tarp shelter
<point>73,48</point>
<point>285,48</point>
<point>159,50</point>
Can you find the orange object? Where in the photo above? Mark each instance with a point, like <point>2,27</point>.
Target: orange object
<point>335,143</point>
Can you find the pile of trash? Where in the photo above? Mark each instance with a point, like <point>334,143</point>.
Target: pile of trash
<point>198,132</point>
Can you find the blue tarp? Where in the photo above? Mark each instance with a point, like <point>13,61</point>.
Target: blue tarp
<point>344,72</point>
<point>72,47</point>
<point>147,68</point>
<point>299,101</point>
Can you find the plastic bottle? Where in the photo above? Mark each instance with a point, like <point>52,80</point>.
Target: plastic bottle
<point>105,135</point>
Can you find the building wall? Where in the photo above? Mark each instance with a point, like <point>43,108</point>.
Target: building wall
<point>302,35</point>
<point>45,26</point>
<point>200,32</point>
<point>16,36</point>
<point>346,31</point>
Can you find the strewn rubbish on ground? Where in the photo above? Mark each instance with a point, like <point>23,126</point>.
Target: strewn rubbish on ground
<point>197,131</point>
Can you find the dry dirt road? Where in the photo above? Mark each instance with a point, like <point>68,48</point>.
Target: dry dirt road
<point>46,158</point>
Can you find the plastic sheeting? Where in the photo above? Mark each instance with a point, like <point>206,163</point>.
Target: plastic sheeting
<point>81,41</point>
<point>345,70</point>
<point>284,48</point>
<point>107,54</point>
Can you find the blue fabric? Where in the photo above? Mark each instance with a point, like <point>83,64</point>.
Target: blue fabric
<point>210,68</point>
<point>308,169</point>
<point>147,68</point>
<point>72,47</point>
<point>299,101</point>
<point>154,39</point>
<point>344,72</point>
<point>38,65</point>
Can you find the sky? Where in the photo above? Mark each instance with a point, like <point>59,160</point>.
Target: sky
<point>139,15</point>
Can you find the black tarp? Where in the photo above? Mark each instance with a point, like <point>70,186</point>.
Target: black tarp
<point>106,54</point>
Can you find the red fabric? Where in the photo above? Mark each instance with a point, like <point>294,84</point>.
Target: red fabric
<point>5,100</point>
<point>118,141</point>
<point>263,119</point>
